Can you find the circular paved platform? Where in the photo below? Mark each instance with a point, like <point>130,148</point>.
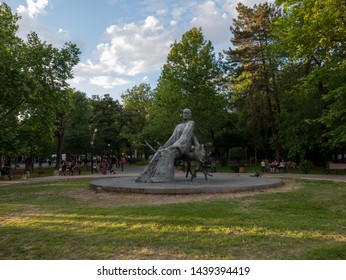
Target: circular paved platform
<point>219,183</point>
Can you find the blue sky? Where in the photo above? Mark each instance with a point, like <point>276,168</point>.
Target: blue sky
<point>123,42</point>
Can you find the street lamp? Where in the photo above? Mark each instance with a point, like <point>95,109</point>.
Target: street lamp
<point>92,141</point>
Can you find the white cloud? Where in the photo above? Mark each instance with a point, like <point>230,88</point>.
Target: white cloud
<point>214,17</point>
<point>173,23</point>
<point>77,79</point>
<point>63,33</point>
<point>251,3</point>
<point>108,82</point>
<point>29,22</point>
<point>34,8</point>
<point>130,49</point>
<point>177,13</point>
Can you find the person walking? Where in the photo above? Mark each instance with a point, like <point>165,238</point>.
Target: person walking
<point>122,162</point>
<point>113,164</point>
<point>104,166</point>
<point>263,167</point>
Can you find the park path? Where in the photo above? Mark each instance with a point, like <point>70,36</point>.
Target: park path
<point>128,171</point>
<point>135,170</point>
<point>331,177</point>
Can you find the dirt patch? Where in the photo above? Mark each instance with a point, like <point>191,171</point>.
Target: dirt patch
<point>113,199</point>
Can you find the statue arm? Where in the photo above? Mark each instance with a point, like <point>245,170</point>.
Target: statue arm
<point>172,139</point>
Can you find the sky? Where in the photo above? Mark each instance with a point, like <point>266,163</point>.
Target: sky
<point>124,42</point>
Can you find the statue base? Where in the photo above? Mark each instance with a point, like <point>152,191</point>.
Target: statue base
<point>219,183</point>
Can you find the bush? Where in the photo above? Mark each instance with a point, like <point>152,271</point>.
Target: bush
<point>235,168</point>
<point>223,161</point>
<point>305,166</point>
<point>237,154</point>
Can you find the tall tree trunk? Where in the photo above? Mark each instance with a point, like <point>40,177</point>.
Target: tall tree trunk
<point>60,142</point>
<point>274,129</point>
<point>62,125</point>
<point>271,115</point>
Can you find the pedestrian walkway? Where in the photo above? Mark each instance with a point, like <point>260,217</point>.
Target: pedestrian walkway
<point>135,170</point>
<point>128,171</point>
<point>330,177</point>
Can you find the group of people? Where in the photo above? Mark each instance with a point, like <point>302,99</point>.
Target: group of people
<point>69,166</point>
<point>111,163</point>
<point>274,166</point>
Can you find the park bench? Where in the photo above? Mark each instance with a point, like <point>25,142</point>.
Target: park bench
<point>5,171</point>
<point>71,170</point>
<point>336,166</point>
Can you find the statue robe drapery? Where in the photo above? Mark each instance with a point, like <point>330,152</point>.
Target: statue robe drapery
<point>161,166</point>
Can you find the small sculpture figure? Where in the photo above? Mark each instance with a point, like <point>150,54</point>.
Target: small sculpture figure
<point>182,143</point>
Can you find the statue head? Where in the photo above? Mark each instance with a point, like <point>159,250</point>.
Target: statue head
<point>187,114</point>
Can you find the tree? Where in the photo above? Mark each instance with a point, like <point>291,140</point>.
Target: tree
<point>64,118</point>
<point>189,79</point>
<point>253,75</point>
<point>15,81</point>
<point>137,105</point>
<point>313,34</point>
<point>53,102</point>
<point>78,134</point>
<point>35,95</point>
<point>109,120</point>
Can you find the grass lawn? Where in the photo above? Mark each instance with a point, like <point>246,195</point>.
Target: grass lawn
<point>67,220</point>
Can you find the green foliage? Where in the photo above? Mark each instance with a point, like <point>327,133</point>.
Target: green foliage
<point>253,75</point>
<point>54,101</point>
<point>287,77</point>
<point>300,134</point>
<point>237,153</point>
<point>305,166</point>
<point>137,106</point>
<point>189,79</point>
<point>107,117</point>
<point>15,83</point>
<point>77,135</point>
<point>34,89</point>
<point>312,34</point>
<point>334,116</point>
<point>279,90</point>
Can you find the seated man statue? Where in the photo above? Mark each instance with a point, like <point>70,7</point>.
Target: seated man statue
<point>179,145</point>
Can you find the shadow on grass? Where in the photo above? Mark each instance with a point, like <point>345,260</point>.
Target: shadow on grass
<point>42,223</point>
